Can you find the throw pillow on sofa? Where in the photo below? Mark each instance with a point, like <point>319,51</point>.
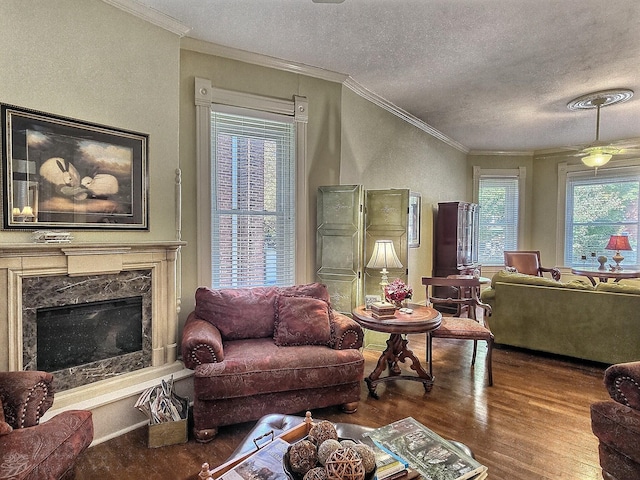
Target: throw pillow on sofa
<point>301,321</point>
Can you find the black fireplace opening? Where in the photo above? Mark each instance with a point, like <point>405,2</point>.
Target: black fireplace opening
<point>77,334</point>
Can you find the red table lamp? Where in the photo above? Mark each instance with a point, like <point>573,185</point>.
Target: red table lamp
<point>617,243</point>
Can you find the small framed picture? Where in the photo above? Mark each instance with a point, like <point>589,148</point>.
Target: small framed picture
<point>415,204</point>
<point>369,299</point>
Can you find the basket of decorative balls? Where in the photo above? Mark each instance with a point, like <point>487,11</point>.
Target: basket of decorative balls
<point>321,455</point>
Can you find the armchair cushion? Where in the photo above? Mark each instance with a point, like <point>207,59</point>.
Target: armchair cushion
<point>302,321</point>
<point>4,426</point>
<point>229,309</point>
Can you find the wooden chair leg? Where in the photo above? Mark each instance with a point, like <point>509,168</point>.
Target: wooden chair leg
<point>430,353</point>
<point>489,359</point>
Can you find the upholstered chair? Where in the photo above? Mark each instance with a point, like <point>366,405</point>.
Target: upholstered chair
<point>30,449</point>
<point>616,423</point>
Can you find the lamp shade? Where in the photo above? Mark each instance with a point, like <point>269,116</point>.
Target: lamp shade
<point>618,242</point>
<point>384,255</point>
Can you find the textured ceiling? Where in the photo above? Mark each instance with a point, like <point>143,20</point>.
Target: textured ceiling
<point>490,74</point>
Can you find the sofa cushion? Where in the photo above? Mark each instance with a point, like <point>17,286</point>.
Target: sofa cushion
<point>313,290</point>
<point>301,321</point>
<point>617,288</point>
<point>503,276</point>
<point>259,366</point>
<point>238,313</point>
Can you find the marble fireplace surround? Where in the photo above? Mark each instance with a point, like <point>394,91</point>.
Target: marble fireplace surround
<point>22,261</point>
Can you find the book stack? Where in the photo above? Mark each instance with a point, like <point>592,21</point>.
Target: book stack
<point>389,466</point>
<point>382,310</point>
<point>426,452</point>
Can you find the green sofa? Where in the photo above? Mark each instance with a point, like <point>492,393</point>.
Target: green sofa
<point>574,319</point>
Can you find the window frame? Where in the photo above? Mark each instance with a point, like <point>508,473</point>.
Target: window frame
<point>565,172</point>
<point>521,174</point>
<point>205,97</point>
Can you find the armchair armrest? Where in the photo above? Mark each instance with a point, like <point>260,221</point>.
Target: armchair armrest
<point>26,396</point>
<point>201,342</point>
<point>555,272</point>
<point>623,383</point>
<point>346,332</point>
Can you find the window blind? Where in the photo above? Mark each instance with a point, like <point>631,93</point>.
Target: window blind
<point>253,199</point>
<point>498,197</point>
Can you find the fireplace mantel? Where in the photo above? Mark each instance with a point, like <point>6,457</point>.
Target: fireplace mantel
<point>19,261</point>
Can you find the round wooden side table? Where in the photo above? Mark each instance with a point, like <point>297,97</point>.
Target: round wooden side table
<point>422,320</point>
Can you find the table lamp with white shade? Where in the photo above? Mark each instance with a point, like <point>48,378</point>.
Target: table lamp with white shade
<point>383,257</point>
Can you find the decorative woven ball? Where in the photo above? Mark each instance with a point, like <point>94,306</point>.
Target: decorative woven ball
<point>347,443</point>
<point>367,455</point>
<point>303,456</point>
<point>322,431</point>
<point>326,448</point>
<point>344,464</point>
<point>316,473</point>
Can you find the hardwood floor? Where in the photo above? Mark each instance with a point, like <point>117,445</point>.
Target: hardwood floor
<point>532,424</point>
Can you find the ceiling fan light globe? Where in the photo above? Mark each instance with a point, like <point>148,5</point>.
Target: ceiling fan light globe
<point>596,159</point>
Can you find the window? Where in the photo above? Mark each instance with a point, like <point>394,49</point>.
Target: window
<point>499,196</point>
<point>597,206</point>
<point>253,200</point>
<point>251,173</point>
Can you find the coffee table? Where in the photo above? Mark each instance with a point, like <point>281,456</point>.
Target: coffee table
<point>422,320</point>
<point>275,424</point>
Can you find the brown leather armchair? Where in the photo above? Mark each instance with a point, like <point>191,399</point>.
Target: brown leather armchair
<point>28,449</point>
<point>616,422</point>
<point>528,262</point>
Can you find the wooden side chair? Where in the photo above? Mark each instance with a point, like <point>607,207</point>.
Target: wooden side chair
<point>465,328</point>
<point>528,262</point>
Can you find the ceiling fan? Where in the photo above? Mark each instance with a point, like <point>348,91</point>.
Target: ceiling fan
<point>598,153</point>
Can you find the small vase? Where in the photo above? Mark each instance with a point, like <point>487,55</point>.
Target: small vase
<point>399,304</point>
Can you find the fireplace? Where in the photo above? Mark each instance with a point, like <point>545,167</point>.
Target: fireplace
<point>73,335</point>
<point>37,276</point>
<point>87,328</point>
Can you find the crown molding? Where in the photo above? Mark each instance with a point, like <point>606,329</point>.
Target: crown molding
<point>150,15</point>
<point>503,153</point>
<point>362,91</point>
<point>201,46</point>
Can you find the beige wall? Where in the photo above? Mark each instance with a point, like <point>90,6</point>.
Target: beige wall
<point>379,150</point>
<point>90,61</point>
<point>323,139</point>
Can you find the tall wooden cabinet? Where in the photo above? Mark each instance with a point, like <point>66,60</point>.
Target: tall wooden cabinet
<point>455,247</point>
<point>349,221</point>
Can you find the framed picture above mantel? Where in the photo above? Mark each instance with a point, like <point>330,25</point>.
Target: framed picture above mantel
<point>63,173</point>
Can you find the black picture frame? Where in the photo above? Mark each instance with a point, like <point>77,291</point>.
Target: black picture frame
<point>62,173</point>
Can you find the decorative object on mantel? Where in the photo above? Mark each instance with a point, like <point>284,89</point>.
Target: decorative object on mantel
<point>60,172</point>
<point>397,292</point>
<point>47,236</point>
<point>617,243</point>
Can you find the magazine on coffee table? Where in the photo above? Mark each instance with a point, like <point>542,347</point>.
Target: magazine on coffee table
<point>265,464</point>
<point>427,452</point>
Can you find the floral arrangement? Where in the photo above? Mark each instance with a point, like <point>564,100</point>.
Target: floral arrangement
<point>397,291</point>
